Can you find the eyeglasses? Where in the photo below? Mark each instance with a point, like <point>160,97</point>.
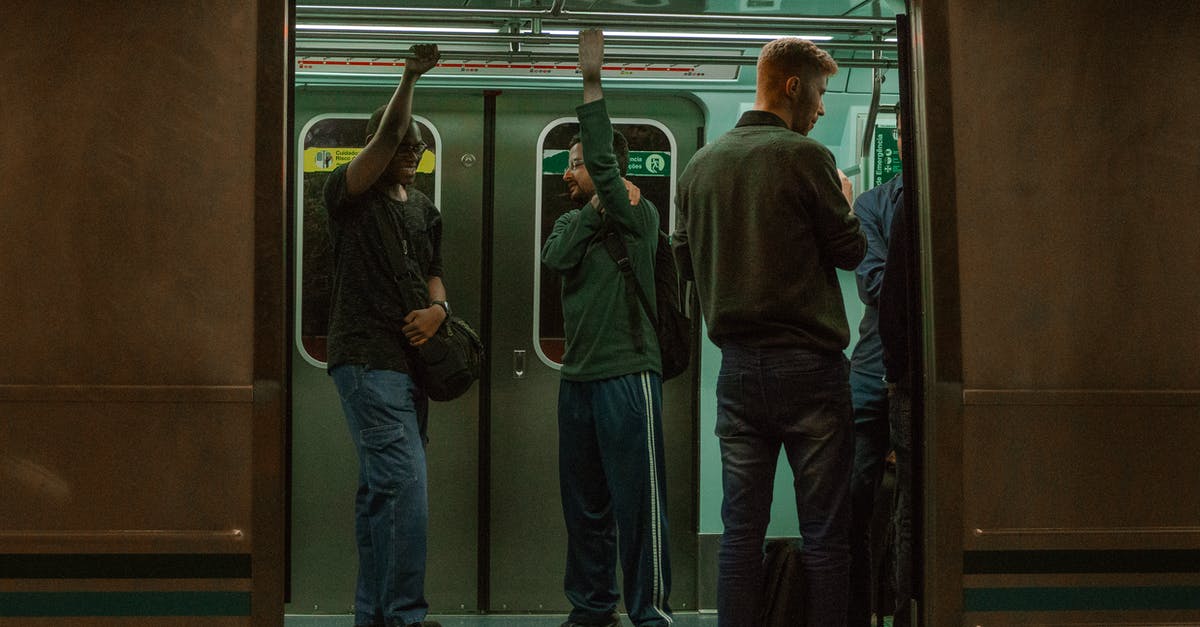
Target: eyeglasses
<point>416,149</point>
<point>575,164</point>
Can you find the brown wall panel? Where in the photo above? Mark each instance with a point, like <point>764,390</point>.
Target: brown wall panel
<point>128,198</point>
<point>1078,477</point>
<point>142,214</point>
<point>130,621</point>
<point>1074,139</point>
<point>1056,142</point>
<point>143,477</point>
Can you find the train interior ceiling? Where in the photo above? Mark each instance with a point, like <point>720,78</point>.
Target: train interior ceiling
<point>497,113</point>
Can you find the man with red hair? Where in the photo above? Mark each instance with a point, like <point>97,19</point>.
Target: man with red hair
<point>763,222</point>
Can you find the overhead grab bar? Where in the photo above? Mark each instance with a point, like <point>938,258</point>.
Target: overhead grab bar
<point>502,56</point>
<point>545,39</point>
<point>725,21</point>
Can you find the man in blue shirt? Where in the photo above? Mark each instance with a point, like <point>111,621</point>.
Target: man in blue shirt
<point>875,209</point>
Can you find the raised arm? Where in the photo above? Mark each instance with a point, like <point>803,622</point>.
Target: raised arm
<point>617,198</point>
<point>366,167</point>
<point>591,59</point>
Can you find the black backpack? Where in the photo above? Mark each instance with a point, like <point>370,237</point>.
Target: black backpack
<point>671,325</point>
<point>783,584</point>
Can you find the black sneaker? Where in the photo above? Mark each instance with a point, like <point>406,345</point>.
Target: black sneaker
<point>428,623</point>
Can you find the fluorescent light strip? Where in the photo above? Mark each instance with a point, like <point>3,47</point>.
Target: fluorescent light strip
<point>735,36</point>
<point>397,29</point>
<point>570,33</point>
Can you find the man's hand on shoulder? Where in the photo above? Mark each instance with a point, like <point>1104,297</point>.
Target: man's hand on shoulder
<point>635,193</point>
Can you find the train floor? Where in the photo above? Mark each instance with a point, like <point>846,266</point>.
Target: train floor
<point>682,619</point>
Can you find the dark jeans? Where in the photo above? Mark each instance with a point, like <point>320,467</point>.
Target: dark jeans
<point>900,417</point>
<point>391,511</point>
<point>870,448</point>
<point>798,400</point>
<point>613,481</point>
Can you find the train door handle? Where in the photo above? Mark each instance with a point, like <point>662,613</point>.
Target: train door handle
<point>519,364</point>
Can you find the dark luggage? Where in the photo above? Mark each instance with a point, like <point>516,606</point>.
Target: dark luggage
<point>783,583</point>
<point>883,545</point>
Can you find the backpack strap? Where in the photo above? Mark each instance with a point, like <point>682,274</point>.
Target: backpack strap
<point>396,253</point>
<point>634,292</point>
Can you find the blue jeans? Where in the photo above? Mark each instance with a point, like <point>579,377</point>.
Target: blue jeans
<point>391,512</point>
<point>798,400</point>
<point>870,396</point>
<point>613,481</point>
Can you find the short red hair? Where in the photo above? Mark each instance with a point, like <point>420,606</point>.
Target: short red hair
<point>792,56</point>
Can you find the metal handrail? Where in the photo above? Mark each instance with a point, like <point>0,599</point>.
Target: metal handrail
<point>519,34</point>
<point>572,57</point>
<point>724,21</point>
<point>305,35</point>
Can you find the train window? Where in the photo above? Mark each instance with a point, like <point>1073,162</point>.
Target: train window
<point>883,155</point>
<point>651,167</point>
<point>328,141</point>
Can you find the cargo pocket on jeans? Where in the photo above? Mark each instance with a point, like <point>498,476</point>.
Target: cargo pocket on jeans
<point>387,458</point>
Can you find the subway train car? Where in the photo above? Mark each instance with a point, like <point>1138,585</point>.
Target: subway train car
<point>172,451</point>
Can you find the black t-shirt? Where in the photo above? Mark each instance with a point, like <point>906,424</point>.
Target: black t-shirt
<point>367,306</point>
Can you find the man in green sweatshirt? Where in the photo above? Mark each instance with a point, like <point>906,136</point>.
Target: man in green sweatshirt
<point>611,468</point>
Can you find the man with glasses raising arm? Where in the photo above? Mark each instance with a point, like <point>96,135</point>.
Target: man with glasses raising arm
<point>371,332</point>
<point>610,443</point>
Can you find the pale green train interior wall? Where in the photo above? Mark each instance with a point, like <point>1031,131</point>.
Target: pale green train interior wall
<point>837,130</point>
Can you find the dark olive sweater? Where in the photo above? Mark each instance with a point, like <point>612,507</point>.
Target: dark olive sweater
<point>761,226</point>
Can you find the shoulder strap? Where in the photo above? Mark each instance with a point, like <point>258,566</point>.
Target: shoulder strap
<point>615,245</point>
<point>395,255</point>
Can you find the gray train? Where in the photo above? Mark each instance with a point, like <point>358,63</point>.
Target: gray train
<point>173,453</point>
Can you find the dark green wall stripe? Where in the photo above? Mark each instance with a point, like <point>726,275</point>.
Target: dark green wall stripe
<point>124,604</point>
<point>125,566</point>
<point>1047,562</point>
<point>1080,599</point>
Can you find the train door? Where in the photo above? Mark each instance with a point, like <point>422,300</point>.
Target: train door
<point>497,541</point>
<point>524,517</point>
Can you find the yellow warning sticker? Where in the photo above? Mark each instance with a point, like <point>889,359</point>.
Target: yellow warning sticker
<point>326,159</point>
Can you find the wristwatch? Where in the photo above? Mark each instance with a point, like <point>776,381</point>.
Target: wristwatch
<point>444,305</point>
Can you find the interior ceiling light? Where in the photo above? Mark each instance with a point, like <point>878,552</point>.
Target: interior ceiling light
<point>396,29</point>
<point>676,34</point>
